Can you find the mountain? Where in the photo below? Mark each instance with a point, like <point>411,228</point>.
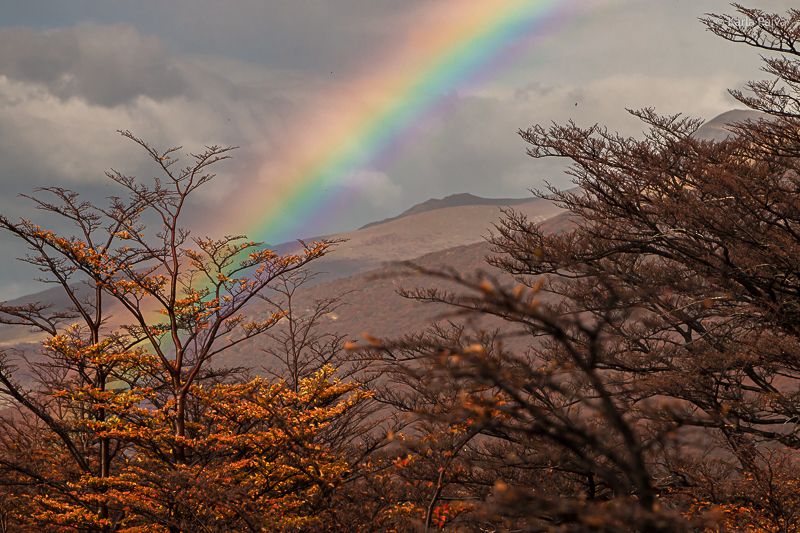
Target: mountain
<point>447,231</point>
<point>425,228</point>
<point>431,228</point>
<point>717,129</point>
<point>370,301</point>
<point>454,200</point>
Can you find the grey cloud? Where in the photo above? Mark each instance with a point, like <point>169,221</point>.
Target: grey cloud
<point>105,65</point>
<point>297,34</point>
<point>193,72</point>
<point>474,146</point>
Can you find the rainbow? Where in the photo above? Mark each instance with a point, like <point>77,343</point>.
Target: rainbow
<point>454,45</point>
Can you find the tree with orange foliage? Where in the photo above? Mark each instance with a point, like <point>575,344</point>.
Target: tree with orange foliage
<point>120,420</point>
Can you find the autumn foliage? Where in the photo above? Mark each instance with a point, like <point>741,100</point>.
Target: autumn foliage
<point>635,370</point>
<point>124,422</point>
<point>638,368</point>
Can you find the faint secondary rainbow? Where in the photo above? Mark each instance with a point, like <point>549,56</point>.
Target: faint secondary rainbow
<point>454,44</point>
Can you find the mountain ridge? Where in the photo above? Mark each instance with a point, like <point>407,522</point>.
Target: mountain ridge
<point>436,224</point>
<point>451,200</point>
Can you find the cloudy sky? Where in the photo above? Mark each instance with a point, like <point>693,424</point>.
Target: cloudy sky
<point>244,72</point>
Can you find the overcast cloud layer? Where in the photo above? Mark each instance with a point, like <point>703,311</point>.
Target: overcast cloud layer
<point>195,72</point>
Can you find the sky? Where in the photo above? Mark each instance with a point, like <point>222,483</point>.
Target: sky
<point>263,75</point>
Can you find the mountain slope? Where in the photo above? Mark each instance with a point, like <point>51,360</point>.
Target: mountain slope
<point>421,230</point>
<point>408,237</point>
<point>371,303</point>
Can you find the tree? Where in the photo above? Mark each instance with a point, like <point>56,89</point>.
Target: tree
<point>657,387</point>
<point>119,422</point>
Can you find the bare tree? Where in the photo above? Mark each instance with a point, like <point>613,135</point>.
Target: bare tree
<point>646,377</point>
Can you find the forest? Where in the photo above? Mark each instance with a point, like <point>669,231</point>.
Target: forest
<point>636,369</point>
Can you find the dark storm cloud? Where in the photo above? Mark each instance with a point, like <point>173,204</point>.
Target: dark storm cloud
<point>108,65</point>
<point>297,34</point>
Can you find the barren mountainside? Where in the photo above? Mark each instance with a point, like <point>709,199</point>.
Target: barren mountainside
<point>360,270</point>
<point>449,232</point>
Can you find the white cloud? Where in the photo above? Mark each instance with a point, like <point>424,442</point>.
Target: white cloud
<point>374,186</point>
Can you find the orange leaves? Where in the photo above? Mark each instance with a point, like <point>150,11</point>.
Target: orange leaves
<point>441,514</point>
<point>262,256</point>
<point>486,286</point>
<point>373,341</point>
<point>476,349</point>
<point>132,435</point>
<point>350,345</point>
<point>157,330</point>
<point>403,462</point>
<point>194,298</point>
<point>259,445</point>
<point>258,326</point>
<point>272,431</point>
<point>139,285</point>
<point>316,249</point>
<point>107,354</point>
<point>193,310</point>
<point>124,286</point>
<point>78,251</point>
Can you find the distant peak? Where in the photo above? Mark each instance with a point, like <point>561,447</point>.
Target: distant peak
<point>718,128</point>
<point>461,196</point>
<point>459,199</point>
<point>452,200</point>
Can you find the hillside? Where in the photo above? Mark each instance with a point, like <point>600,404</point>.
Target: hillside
<point>446,235</point>
<point>449,231</point>
<point>371,303</point>
<point>420,230</point>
